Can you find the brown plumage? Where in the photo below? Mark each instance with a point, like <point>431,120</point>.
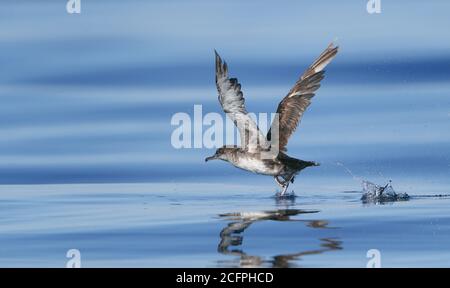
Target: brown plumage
<point>291,108</point>
<point>232,101</point>
<point>290,111</point>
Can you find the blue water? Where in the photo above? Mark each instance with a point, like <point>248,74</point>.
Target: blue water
<point>86,160</point>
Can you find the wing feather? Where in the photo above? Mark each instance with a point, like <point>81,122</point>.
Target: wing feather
<point>232,101</point>
<point>290,110</point>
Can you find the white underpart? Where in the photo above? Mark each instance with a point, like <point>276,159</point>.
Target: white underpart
<point>255,165</point>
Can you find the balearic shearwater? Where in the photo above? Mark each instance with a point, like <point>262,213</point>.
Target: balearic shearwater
<point>289,113</point>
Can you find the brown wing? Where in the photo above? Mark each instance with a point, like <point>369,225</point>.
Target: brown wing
<point>232,101</point>
<point>291,108</point>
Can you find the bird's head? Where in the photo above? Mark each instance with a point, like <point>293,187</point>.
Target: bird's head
<point>221,154</point>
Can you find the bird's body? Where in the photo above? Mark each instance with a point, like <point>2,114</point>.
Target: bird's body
<point>265,154</point>
<point>282,165</point>
<point>253,162</point>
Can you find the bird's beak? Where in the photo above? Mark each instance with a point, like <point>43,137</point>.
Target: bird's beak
<point>210,158</point>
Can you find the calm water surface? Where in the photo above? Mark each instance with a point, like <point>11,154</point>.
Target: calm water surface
<point>86,160</point>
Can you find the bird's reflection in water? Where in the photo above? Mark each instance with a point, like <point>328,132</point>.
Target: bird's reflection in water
<point>232,236</point>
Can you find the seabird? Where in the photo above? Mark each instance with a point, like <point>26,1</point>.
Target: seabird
<point>289,113</point>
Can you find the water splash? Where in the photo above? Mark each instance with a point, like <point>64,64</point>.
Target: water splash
<point>349,171</point>
<point>375,193</point>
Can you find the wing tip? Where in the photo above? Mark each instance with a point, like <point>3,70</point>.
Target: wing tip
<point>221,66</point>
<point>217,56</point>
<point>326,57</point>
<point>333,45</point>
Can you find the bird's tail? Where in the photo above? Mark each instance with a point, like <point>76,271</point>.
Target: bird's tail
<point>303,164</point>
<point>312,163</point>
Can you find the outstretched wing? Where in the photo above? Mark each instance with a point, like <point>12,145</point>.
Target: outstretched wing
<point>232,101</point>
<point>291,108</point>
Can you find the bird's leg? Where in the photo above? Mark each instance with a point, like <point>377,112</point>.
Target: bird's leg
<point>283,184</point>
<point>285,187</point>
<point>286,183</point>
<point>278,181</point>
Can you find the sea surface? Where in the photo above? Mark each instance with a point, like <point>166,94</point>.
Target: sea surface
<point>87,163</point>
